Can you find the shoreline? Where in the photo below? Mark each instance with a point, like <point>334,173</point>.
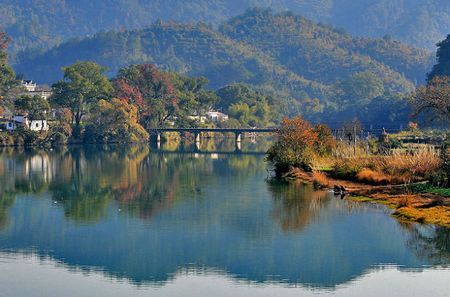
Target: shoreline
<point>411,203</point>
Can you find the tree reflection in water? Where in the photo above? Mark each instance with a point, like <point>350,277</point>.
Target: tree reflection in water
<point>429,242</point>
<point>84,181</point>
<point>296,204</point>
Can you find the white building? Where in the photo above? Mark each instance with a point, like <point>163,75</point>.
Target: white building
<point>216,116</point>
<point>35,125</point>
<point>29,85</point>
<point>33,89</point>
<point>213,116</point>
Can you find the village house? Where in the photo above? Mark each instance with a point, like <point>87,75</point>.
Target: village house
<point>33,89</point>
<point>213,116</point>
<point>22,120</point>
<point>10,121</point>
<point>29,85</point>
<point>216,116</point>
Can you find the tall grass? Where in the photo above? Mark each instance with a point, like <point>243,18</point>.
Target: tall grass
<point>398,167</point>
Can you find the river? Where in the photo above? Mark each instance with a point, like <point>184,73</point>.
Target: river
<point>116,221</point>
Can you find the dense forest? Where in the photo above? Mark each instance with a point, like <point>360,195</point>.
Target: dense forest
<point>43,24</point>
<point>314,69</point>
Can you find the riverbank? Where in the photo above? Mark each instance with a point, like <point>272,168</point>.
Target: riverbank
<point>419,202</point>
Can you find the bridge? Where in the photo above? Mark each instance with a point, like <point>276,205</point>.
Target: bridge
<point>197,132</point>
<point>198,151</point>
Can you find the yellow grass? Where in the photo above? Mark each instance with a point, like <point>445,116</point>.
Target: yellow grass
<point>399,167</point>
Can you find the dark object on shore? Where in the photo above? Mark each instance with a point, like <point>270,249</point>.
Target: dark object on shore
<point>337,190</point>
<point>340,190</point>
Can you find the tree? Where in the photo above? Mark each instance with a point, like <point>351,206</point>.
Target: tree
<point>114,121</point>
<point>83,85</point>
<point>151,90</point>
<point>8,81</point>
<point>248,106</point>
<point>194,99</point>
<point>294,146</point>
<point>442,68</point>
<point>434,98</point>
<point>35,107</point>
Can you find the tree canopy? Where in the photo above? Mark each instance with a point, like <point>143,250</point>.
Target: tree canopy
<point>8,81</point>
<point>83,85</point>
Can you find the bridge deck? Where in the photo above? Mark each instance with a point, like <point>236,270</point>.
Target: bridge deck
<point>223,130</point>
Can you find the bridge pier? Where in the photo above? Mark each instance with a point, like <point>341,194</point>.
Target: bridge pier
<point>238,147</point>
<point>238,141</point>
<point>238,137</point>
<point>197,136</point>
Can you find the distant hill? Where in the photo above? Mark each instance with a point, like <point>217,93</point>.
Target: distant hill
<point>259,48</point>
<point>319,52</point>
<point>190,49</point>
<point>314,68</point>
<point>43,24</point>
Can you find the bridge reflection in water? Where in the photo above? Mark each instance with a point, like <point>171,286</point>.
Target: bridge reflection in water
<point>197,133</point>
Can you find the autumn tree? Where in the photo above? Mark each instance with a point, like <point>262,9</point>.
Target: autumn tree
<point>151,90</point>
<point>298,142</point>
<point>114,121</point>
<point>82,86</point>
<point>294,146</point>
<point>433,98</point>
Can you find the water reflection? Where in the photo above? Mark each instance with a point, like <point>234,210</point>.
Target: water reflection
<point>296,205</point>
<point>145,216</point>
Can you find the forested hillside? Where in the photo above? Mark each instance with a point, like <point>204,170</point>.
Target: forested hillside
<point>189,49</point>
<point>259,47</point>
<point>42,24</point>
<point>319,52</point>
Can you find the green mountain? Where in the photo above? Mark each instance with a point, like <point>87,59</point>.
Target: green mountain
<point>43,24</point>
<point>319,52</point>
<point>189,49</point>
<point>260,48</point>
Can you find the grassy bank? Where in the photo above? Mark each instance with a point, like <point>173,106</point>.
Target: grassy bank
<point>412,180</point>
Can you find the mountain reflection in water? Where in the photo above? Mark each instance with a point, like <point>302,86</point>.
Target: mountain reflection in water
<point>144,216</point>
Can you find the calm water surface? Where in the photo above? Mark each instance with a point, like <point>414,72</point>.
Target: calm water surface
<point>137,222</point>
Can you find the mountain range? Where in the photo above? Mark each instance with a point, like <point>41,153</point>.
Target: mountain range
<point>279,52</point>
<point>43,24</point>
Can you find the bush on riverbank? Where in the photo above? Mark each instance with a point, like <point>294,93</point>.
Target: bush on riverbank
<point>21,137</point>
<point>297,144</point>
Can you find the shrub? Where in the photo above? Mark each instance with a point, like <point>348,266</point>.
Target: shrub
<point>25,136</point>
<point>294,146</point>
<point>320,180</point>
<point>372,177</point>
<point>6,139</point>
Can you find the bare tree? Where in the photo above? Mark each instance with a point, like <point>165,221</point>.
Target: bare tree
<point>433,98</point>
